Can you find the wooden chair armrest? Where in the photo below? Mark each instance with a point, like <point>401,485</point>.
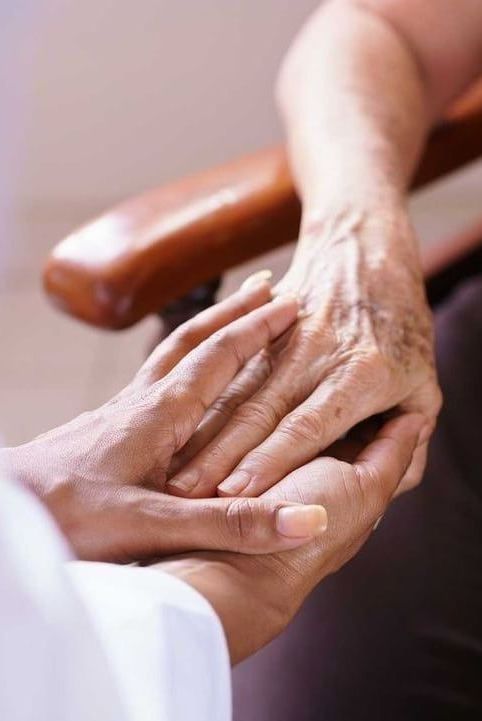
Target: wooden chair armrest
<point>151,249</point>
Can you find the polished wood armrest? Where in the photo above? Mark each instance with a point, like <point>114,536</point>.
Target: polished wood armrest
<point>151,249</point>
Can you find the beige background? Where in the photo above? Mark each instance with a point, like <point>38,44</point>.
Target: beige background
<point>100,99</point>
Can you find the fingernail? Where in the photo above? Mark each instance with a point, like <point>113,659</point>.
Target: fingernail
<point>301,521</point>
<point>184,482</point>
<point>256,278</point>
<point>234,484</point>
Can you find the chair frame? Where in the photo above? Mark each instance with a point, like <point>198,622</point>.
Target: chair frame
<point>152,249</point>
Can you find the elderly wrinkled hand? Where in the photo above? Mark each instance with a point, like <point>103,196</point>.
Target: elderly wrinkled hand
<point>364,347</point>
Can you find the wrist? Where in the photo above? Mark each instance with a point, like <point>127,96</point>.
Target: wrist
<point>368,254</point>
<point>252,597</point>
<point>380,231</point>
<point>349,212</point>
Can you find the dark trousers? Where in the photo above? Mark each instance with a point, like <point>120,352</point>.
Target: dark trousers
<point>397,634</point>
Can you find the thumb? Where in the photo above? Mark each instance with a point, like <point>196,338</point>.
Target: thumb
<point>163,524</point>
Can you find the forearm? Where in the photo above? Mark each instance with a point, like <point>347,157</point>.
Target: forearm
<point>360,88</point>
<point>355,109</point>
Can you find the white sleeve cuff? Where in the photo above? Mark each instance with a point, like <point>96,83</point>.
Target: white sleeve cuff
<point>164,642</point>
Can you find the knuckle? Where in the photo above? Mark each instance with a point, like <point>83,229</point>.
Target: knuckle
<point>354,493</point>
<point>198,404</point>
<point>265,330</point>
<point>373,493</point>
<point>257,464</point>
<point>372,365</point>
<point>189,400</point>
<point>303,425</point>
<point>186,336</point>
<point>225,406</point>
<point>259,413</point>
<point>226,341</point>
<point>312,342</point>
<point>315,335</point>
<point>240,521</point>
<point>180,406</point>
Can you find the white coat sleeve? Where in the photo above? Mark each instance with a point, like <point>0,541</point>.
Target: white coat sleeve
<point>82,641</point>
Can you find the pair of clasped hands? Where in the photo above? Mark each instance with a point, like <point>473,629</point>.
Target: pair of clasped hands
<point>175,464</point>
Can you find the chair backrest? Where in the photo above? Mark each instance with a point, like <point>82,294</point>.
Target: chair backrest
<point>153,248</point>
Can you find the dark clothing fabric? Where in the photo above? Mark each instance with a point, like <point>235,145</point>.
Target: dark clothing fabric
<point>396,635</point>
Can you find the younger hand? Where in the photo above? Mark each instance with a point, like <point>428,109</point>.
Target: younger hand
<point>102,475</point>
<point>363,347</point>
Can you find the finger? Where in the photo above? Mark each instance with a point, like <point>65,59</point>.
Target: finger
<point>381,466</point>
<point>200,377</point>
<point>249,424</point>
<point>415,471</point>
<point>225,434</point>
<point>355,494</point>
<point>348,450</point>
<point>189,335</point>
<point>157,524</point>
<point>333,484</point>
<point>245,384</point>
<point>300,436</point>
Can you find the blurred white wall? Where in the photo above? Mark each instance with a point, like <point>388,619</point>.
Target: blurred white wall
<point>124,94</point>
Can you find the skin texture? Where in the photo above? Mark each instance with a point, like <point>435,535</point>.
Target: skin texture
<point>102,475</point>
<point>358,92</point>
<point>355,128</point>
<point>257,596</point>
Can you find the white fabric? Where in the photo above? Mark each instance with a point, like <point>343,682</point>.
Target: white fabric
<point>87,641</point>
